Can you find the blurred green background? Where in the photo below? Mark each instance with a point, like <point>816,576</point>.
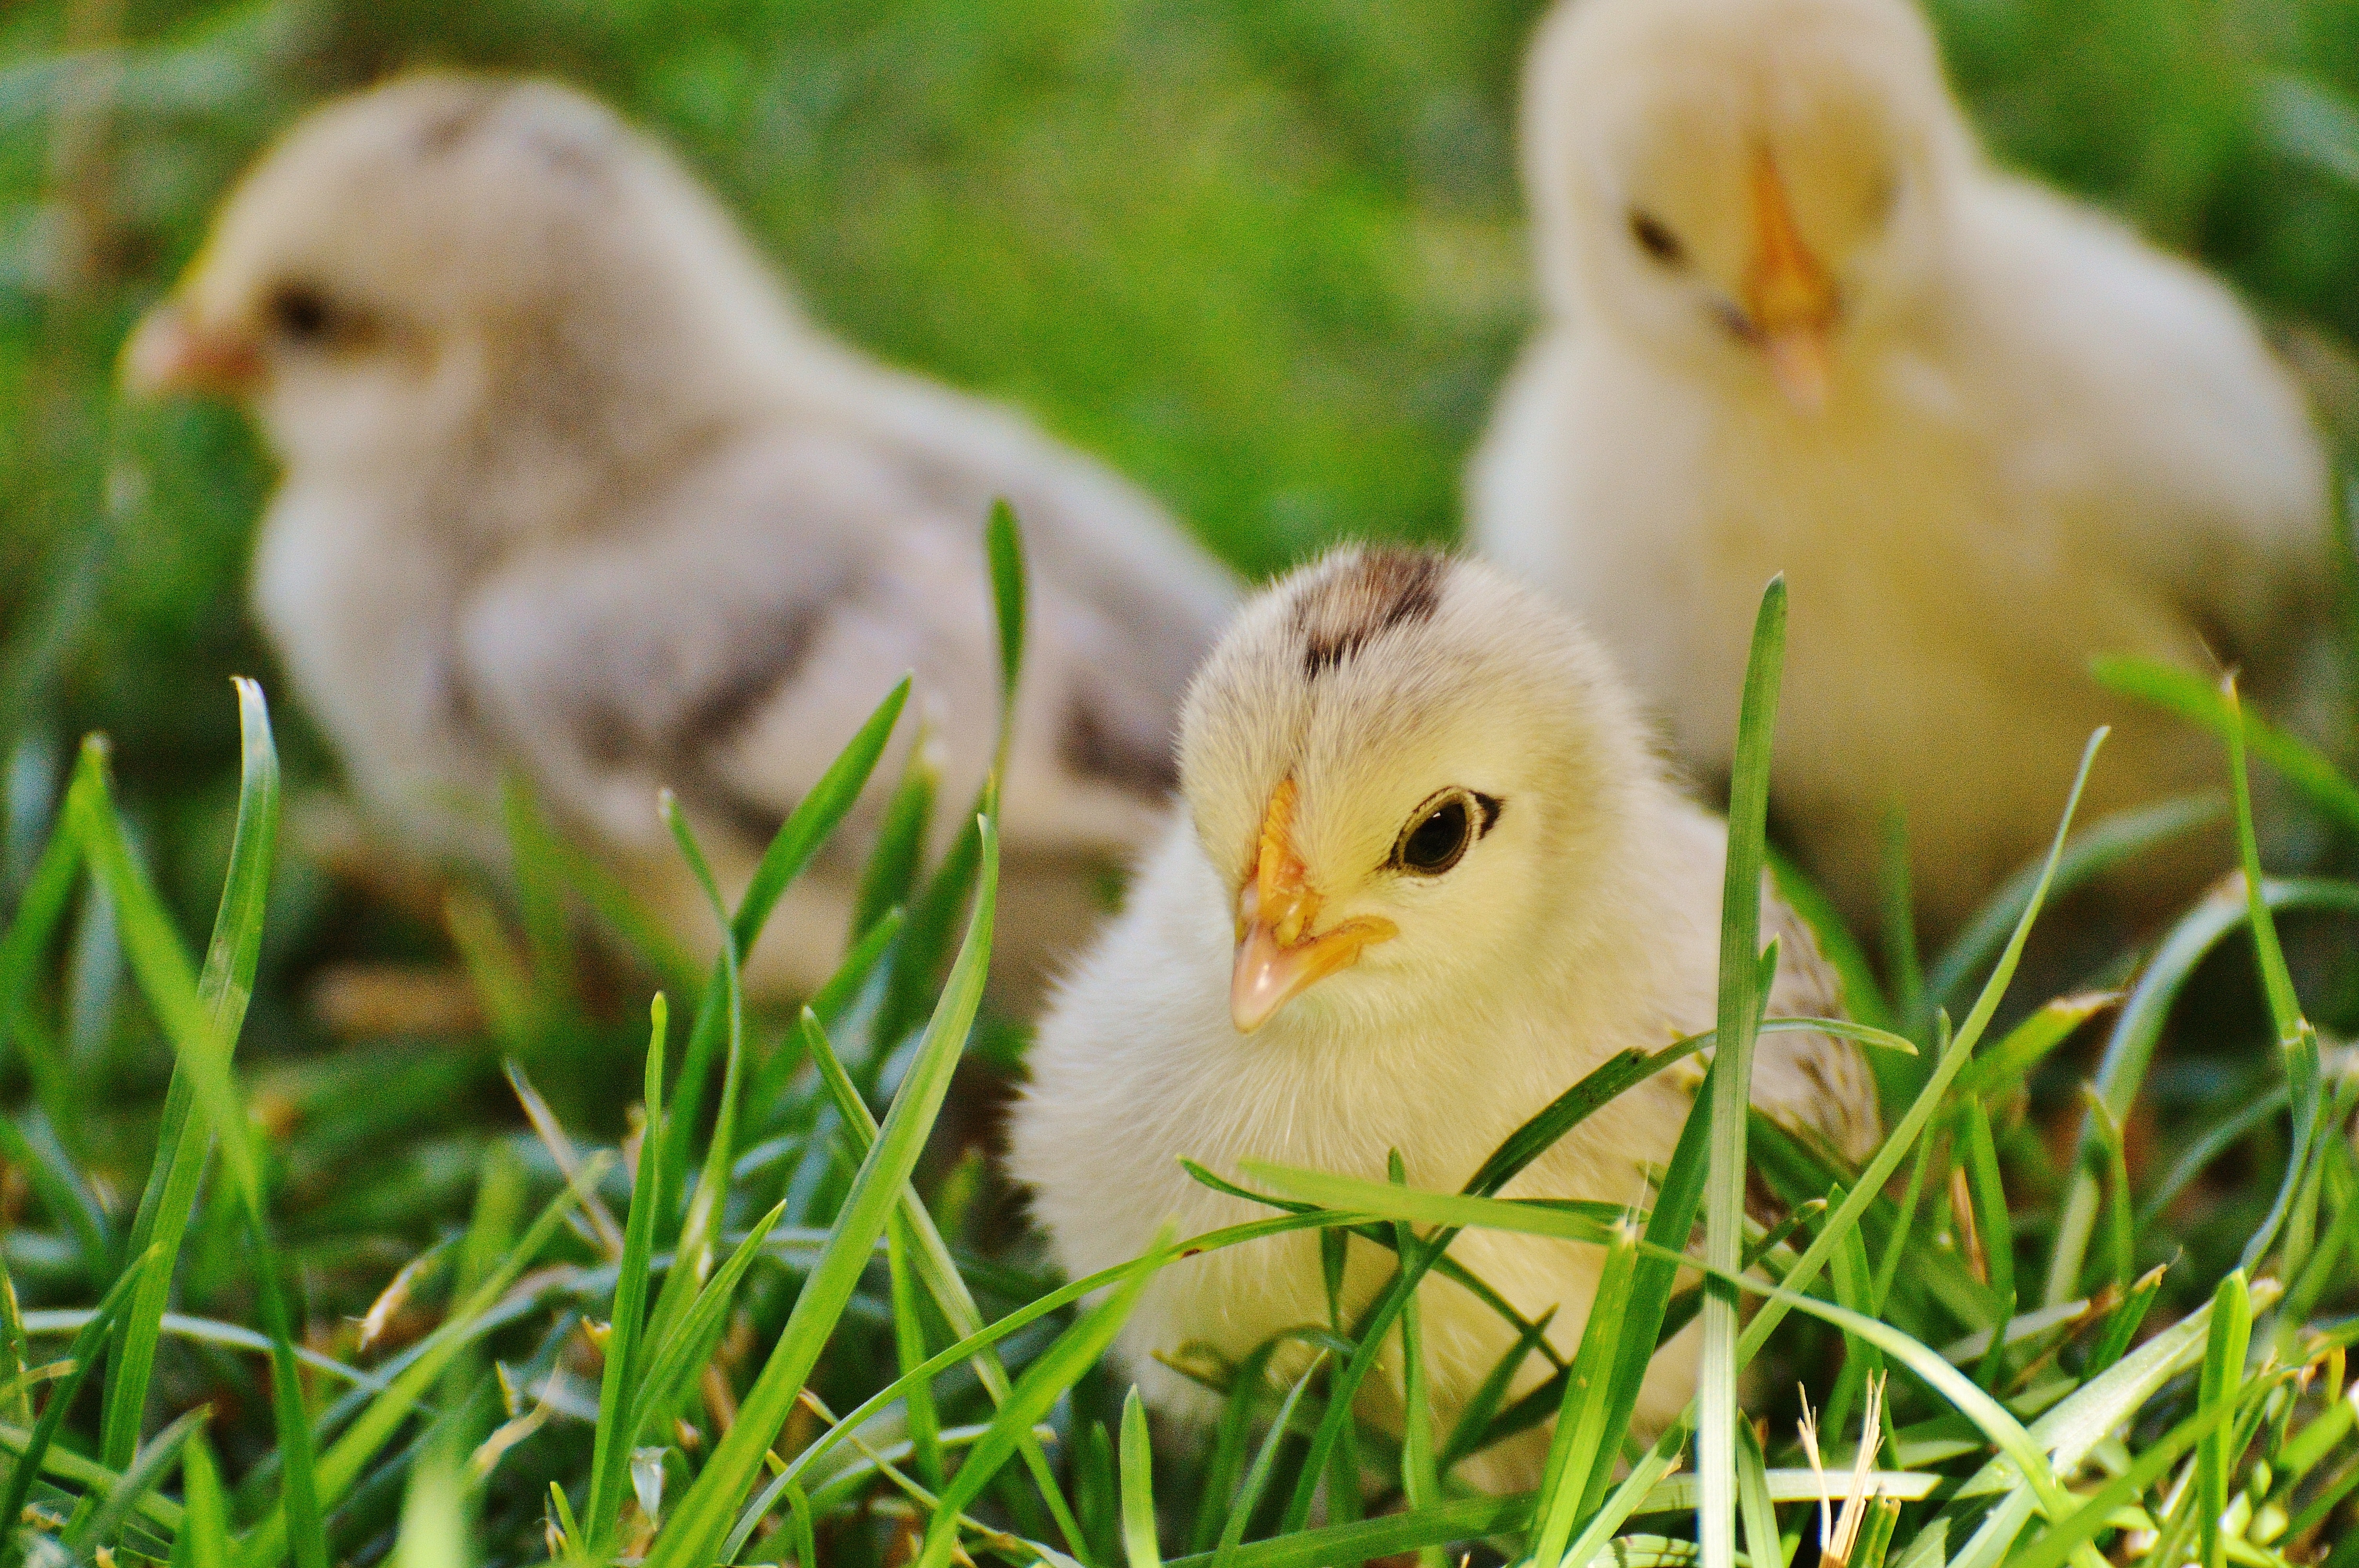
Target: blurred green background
<point>1265,255</point>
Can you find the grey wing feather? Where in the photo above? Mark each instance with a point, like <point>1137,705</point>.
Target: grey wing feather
<point>611,667</point>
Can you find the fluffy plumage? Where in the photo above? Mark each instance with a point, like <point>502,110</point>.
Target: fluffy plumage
<point>1795,321</point>
<point>1575,915</point>
<point>571,486</point>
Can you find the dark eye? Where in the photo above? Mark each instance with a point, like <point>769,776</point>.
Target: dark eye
<point>300,314</point>
<point>1443,829</point>
<point>1656,240</point>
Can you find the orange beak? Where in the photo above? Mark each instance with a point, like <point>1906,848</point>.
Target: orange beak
<point>1278,957</point>
<point>1789,299</point>
<point>168,353</point>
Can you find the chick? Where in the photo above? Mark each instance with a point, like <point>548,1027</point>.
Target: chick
<point>1794,321</point>
<point>571,487</point>
<point>1428,874</point>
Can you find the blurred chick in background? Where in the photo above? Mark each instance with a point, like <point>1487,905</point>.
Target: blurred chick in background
<point>1429,874</point>
<point>1795,321</point>
<point>572,488</point>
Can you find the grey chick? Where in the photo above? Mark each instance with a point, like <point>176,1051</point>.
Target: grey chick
<point>571,487</point>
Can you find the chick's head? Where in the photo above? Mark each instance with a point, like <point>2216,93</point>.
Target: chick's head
<point>407,260</point>
<point>1748,187</point>
<point>1417,781</point>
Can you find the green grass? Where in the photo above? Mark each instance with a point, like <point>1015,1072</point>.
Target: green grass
<point>856,1282</point>
<point>1264,255</point>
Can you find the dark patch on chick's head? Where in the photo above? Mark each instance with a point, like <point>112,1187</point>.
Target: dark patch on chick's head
<point>566,146</point>
<point>1341,612</point>
<point>456,120</point>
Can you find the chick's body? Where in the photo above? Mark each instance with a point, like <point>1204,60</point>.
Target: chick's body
<point>1581,922</point>
<point>572,489</point>
<point>1986,434</point>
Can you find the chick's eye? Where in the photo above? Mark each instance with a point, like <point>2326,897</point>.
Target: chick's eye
<point>1656,240</point>
<point>300,313</point>
<point>1437,838</point>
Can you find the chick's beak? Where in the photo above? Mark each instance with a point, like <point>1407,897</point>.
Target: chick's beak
<point>1278,954</point>
<point>170,353</point>
<point>1790,300</point>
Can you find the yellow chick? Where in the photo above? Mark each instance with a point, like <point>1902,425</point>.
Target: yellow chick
<point>1794,321</point>
<point>571,487</point>
<point>1427,873</point>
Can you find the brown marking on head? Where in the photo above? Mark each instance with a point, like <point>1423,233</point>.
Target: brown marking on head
<point>1342,611</point>
<point>473,100</point>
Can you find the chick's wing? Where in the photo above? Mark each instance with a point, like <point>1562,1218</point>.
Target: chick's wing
<point>726,636</point>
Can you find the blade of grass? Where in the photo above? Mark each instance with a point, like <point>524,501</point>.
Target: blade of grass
<point>1730,1085</point>
<point>2197,700</point>
<point>1472,1430</point>
<point>13,1347</point>
<point>936,1267</point>
<point>166,976</point>
<point>909,1351</point>
<point>1999,1071</point>
<point>58,1183</point>
<point>1990,1198</point>
<point>205,1528</point>
<point>2067,1535</point>
<point>348,1458</point>
<point>1581,1433</point>
<point>2129,1050</point>
<point>86,1350</point>
<point>618,1387</point>
<point>1139,1545</point>
<point>1249,1498</point>
<point>1421,1479</point>
<point>680,1356</point>
<point>811,823</point>
<point>2222,1380</point>
<point>913,982</point>
<point>692,1255</point>
<point>1519,1149</point>
<point>1763,1545</point>
<point>2296,1042</point>
<point>1912,1125</point>
<point>155,1461</point>
<point>1003,545</point>
<point>1677,1199</point>
<point>38,912</point>
<point>1355,1194</point>
<point>1224,1459</point>
<point>890,878</point>
<point>1075,1352</point>
<point>1022,1317</point>
<point>702,1519</point>
<point>433,1531</point>
<point>1659,1461</point>
<point>224,989</point>
<point>2096,849</point>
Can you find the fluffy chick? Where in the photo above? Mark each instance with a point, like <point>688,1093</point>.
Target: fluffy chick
<point>1794,321</point>
<point>1428,874</point>
<point>571,487</point>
